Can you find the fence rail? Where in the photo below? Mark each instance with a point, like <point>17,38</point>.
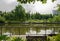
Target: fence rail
<point>31,23</point>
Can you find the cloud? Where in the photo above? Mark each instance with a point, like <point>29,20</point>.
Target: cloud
<point>42,8</point>
<point>10,1</point>
<point>6,5</point>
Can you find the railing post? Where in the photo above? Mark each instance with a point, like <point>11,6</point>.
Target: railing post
<point>1,31</point>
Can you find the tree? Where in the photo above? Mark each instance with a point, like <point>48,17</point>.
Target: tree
<point>56,18</point>
<point>37,16</point>
<point>27,16</point>
<point>19,13</point>
<point>58,7</point>
<point>1,13</point>
<point>2,19</point>
<point>9,16</point>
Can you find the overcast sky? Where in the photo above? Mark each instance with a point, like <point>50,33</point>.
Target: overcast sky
<point>8,5</point>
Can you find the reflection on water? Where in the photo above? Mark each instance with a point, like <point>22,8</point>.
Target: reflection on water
<point>18,29</point>
<point>42,32</point>
<point>31,32</point>
<point>27,31</point>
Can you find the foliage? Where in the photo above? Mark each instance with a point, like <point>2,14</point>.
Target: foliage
<point>53,38</point>
<point>6,38</point>
<point>17,39</point>
<point>8,16</point>
<point>29,1</point>
<point>19,13</point>
<point>41,16</point>
<point>55,18</point>
<point>2,19</point>
<point>27,16</point>
<point>58,7</point>
<point>57,38</point>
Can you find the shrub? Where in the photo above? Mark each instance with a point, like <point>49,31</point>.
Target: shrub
<point>2,19</point>
<point>57,38</point>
